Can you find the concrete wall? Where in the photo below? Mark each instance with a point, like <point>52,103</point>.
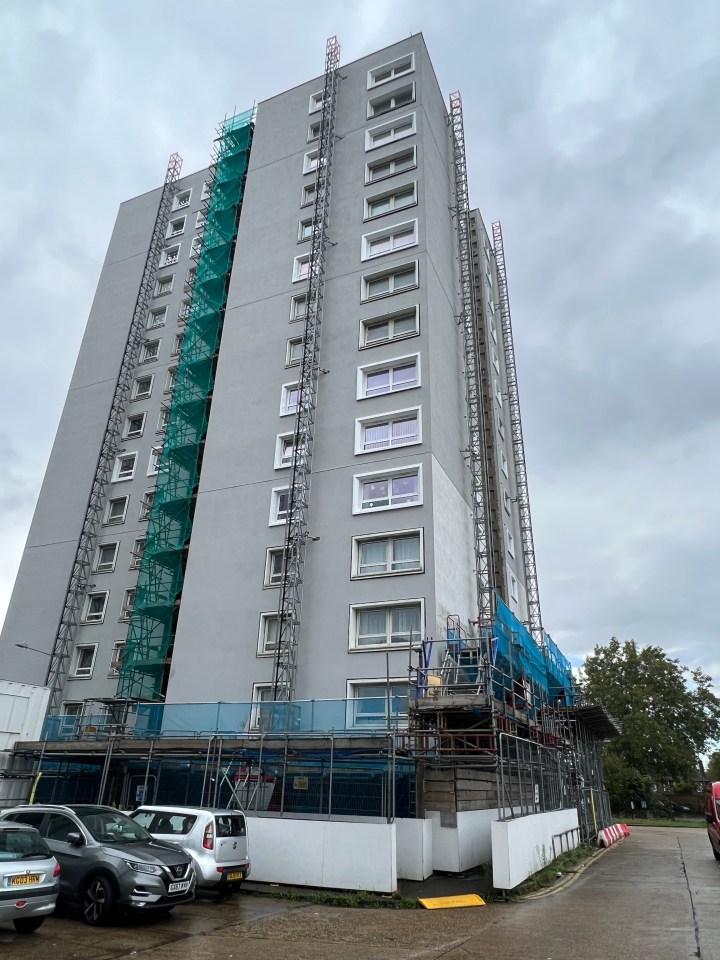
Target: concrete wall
<point>523,846</point>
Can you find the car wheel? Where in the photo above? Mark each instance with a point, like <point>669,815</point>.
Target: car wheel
<point>28,924</point>
<point>98,901</point>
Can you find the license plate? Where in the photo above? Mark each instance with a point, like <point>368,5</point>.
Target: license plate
<point>237,875</point>
<point>25,880</point>
<point>179,887</point>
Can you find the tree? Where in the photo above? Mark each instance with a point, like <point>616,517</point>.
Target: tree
<point>713,770</point>
<point>669,714</point>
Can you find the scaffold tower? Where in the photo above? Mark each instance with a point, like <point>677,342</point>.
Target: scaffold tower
<point>154,618</point>
<point>523,499</point>
<point>476,428</point>
<point>79,576</point>
<point>296,524</point>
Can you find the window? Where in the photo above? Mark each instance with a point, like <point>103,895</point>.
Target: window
<point>493,331</point>
<point>507,501</point>
<point>313,131</point>
<point>105,557</point>
<point>316,101</point>
<point>182,200</point>
<point>290,399</point>
<point>387,554</point>
<point>150,351</point>
<point>510,540</point>
<point>146,505</point>
<point>389,166</point>
<point>394,326</point>
<point>395,238</point>
<point>294,351</point>
<point>390,132</point>
<point>190,278</point>
<point>156,318</point>
<point>261,693</point>
<point>387,489</point>
<point>200,220</point>
<point>177,344</point>
<point>84,662</point>
<point>389,282</point>
<point>503,463</point>
<point>389,377</point>
<point>95,604</point>
<point>274,567</point>
<point>128,604</point>
<point>284,446</point>
<point>196,246</point>
<point>72,708</point>
<point>142,388</point>
<point>268,637</point>
<point>384,203</point>
<point>390,71</point>
<point>134,426</point>
<point>310,161</point>
<point>298,308</point>
<point>170,379</point>
<point>301,268</point>
<point>206,190</point>
<point>495,360</point>
<point>514,593</point>
<point>137,552</point>
<point>391,101</point>
<point>305,230</point>
<point>279,505</point>
<point>116,510</point>
<point>370,702</point>
<point>398,429</point>
<point>155,459</point>
<point>163,420</point>
<point>308,194</point>
<point>116,658</point>
<point>124,467</point>
<point>384,625</point>
<point>164,286</point>
<point>170,255</point>
<point>175,227</point>
<point>498,392</point>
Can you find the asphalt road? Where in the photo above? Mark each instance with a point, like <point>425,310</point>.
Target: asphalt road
<point>656,896</point>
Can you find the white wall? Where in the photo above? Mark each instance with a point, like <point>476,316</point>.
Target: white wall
<point>523,846</point>
<point>414,849</point>
<point>322,853</point>
<point>22,712</point>
<point>456,849</point>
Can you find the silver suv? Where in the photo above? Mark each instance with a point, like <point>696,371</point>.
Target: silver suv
<point>107,860</point>
<point>29,877</point>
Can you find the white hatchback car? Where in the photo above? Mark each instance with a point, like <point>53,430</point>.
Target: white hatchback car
<point>216,840</point>
<point>29,877</point>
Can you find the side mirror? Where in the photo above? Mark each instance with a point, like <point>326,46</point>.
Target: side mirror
<point>76,839</point>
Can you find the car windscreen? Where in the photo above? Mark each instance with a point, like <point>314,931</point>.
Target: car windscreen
<point>111,826</point>
<point>22,845</point>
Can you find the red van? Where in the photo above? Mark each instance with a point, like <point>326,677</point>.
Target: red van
<point>712,816</point>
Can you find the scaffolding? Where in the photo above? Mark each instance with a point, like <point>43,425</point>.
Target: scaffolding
<point>296,528</point>
<point>523,499</point>
<point>78,581</point>
<point>152,627</point>
<point>475,414</point>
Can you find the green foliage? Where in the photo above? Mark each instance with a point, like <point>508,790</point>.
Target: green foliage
<point>669,714</point>
<point>713,769</point>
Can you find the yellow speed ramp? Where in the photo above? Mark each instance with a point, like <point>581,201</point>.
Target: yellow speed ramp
<point>447,903</point>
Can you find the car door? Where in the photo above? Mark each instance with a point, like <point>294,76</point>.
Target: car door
<point>71,857</point>
<point>230,838</point>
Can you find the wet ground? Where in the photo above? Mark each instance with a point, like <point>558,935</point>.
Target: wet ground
<point>657,896</point>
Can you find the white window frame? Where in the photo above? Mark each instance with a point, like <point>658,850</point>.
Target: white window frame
<point>164,285</point>
<point>395,237</point>
<point>170,255</point>
<point>275,494</point>
<point>390,98</point>
<point>360,479</point>
<point>311,131</point>
<point>116,658</point>
<point>395,69</point>
<point>170,378</point>
<point>390,274</point>
<point>106,567</point>
<point>510,542</point>
<point>302,226</point>
<point>316,101</point>
<point>154,463</point>
<point>298,274</point>
<point>200,220</point>
<point>513,586</point>
<point>310,161</point>
<point>136,554</point>
<point>392,159</point>
<point>293,342</point>
<point>257,700</point>
<point>136,393</point>
<point>112,521</point>
<point>184,311</point>
<point>196,245</point>
<point>504,463</point>
<point>177,345</point>
<point>129,434</point>
<point>206,190</point>
<point>267,576</point>
<point>87,672</point>
<point>279,463</point>
<point>389,318</point>
<point>386,536</point>
<point>163,418</point>
<point>180,202</point>
<point>120,474</point>
<point>176,227</point>
<point>146,505</point>
<point>507,501</point>
<point>391,417</point>
<point>128,607</point>
<point>262,643</point>
<point>390,365</point>
<point>96,617</point>
<point>399,720</point>
<point>407,188</point>
<point>396,129</point>
<point>294,301</point>
<point>156,318</point>
<point>287,389</point>
<point>307,196</point>
<point>492,329</point>
<point>388,605</point>
<point>150,351</point>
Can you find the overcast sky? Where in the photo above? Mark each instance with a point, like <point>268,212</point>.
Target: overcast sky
<point>592,134</point>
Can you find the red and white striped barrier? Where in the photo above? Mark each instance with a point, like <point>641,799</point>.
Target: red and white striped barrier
<point>610,835</point>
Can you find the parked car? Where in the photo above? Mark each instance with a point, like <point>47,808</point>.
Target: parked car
<point>29,877</point>
<point>712,816</point>
<point>108,860</point>
<point>216,840</point>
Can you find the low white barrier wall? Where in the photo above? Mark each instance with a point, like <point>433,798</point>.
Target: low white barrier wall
<point>323,853</point>
<point>467,845</point>
<point>523,846</point>
<point>414,849</point>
